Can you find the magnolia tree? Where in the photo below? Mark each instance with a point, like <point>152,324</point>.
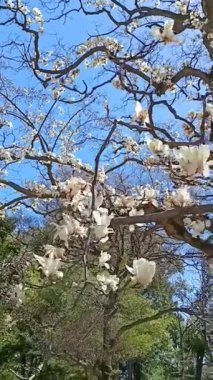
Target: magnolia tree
<point>108,130</point>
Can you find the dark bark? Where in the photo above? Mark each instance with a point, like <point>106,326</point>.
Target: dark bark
<point>106,365</point>
<point>137,375</point>
<point>209,318</point>
<point>199,365</point>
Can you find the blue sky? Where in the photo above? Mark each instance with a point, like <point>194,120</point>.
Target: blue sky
<point>78,29</point>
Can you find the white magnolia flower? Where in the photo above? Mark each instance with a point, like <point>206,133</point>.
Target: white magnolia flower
<point>182,6</point>
<point>98,201</point>
<point>141,114</point>
<point>166,150</point>
<point>135,212</point>
<point>124,202</point>
<point>156,146</point>
<point>17,294</point>
<point>50,265</point>
<point>179,198</point>
<point>10,4</point>
<point>150,195</point>
<point>24,9</point>
<point>68,227</point>
<point>104,257</point>
<point>197,226</point>
<point>85,205</point>
<point>62,232</point>
<point>57,252</point>
<point>37,12</point>
<point>107,281</point>
<point>101,217</point>
<point>208,223</point>
<point>209,109</point>
<point>193,160</point>
<point>187,221</point>
<point>73,186</point>
<point>102,232</point>
<point>143,271</point>
<point>131,228</point>
<point>101,176</point>
<point>165,33</point>
<point>131,145</point>
<point>103,220</point>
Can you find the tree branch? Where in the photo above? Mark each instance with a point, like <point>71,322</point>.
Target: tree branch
<point>162,215</point>
<point>151,318</point>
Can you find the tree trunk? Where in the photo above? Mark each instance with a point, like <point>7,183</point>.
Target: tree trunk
<point>199,365</point>
<point>137,370</point>
<point>105,372</point>
<point>106,365</point>
<point>209,326</point>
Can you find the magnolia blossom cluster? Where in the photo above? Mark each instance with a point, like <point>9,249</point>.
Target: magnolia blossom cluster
<point>33,15</point>
<point>163,73</point>
<point>133,204</point>
<point>106,280</point>
<point>197,226</point>
<point>146,194</point>
<point>124,203</point>
<point>10,4</point>
<point>69,227</point>
<point>73,187</point>
<point>193,160</point>
<point>96,219</point>
<point>158,73</point>
<point>103,259</point>
<point>158,147</point>
<point>58,83</point>
<point>165,33</point>
<point>134,24</point>
<point>182,6</point>
<point>37,15</point>
<point>77,193</point>
<point>178,198</point>
<point>96,61</point>
<point>110,43</point>
<point>143,271</point>
<point>102,219</point>
<point>22,7</point>
<point>143,66</point>
<point>17,154</point>
<point>6,155</point>
<point>51,262</point>
<point>101,3</point>
<point>131,145</point>
<point>195,20</point>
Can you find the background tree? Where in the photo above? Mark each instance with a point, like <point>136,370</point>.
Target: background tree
<point>133,100</point>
